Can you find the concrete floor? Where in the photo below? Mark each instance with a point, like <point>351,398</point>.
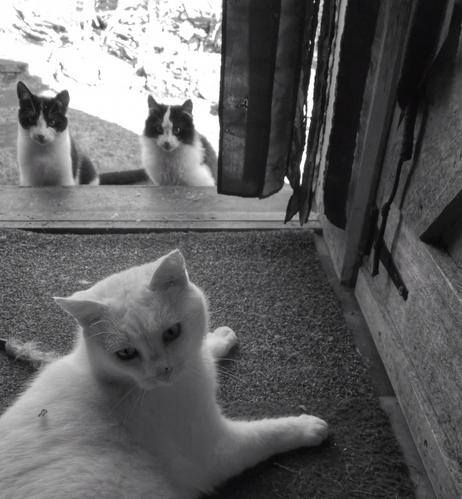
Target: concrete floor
<point>366,347</point>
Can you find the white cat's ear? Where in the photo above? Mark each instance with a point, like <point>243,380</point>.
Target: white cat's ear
<point>152,103</point>
<point>85,312</point>
<point>23,92</point>
<point>187,106</point>
<point>170,272</point>
<point>64,98</point>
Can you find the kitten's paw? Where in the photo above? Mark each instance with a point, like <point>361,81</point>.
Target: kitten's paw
<point>315,430</point>
<point>221,341</point>
<point>226,334</point>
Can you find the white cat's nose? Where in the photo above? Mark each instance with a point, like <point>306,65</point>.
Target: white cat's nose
<point>164,372</point>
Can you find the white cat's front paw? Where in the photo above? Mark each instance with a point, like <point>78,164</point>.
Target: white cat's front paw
<point>221,341</point>
<point>226,334</point>
<point>315,430</point>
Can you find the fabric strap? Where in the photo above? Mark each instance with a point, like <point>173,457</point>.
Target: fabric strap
<point>262,110</point>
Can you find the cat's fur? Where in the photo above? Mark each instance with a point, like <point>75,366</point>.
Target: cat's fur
<point>47,154</point>
<point>172,151</point>
<point>147,425</point>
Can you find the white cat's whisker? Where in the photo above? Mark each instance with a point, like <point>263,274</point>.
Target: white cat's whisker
<point>224,373</point>
<point>110,321</point>
<point>124,397</point>
<point>137,403</point>
<point>227,374</point>
<point>109,333</point>
<point>226,359</point>
<point>101,321</point>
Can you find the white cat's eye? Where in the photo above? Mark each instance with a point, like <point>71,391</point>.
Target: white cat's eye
<point>176,130</point>
<point>171,333</point>
<point>127,353</point>
<point>51,122</point>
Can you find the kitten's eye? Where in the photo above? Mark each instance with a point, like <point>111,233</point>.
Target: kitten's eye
<point>158,129</point>
<point>51,122</point>
<point>172,333</point>
<point>127,353</point>
<point>176,130</point>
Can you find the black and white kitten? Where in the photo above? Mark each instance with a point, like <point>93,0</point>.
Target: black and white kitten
<point>173,152</point>
<point>47,154</point>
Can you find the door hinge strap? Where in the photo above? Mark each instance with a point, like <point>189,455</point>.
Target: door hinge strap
<point>387,261</point>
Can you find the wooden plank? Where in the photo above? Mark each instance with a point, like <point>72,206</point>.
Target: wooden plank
<point>138,208</point>
<point>386,60</point>
<point>419,340</point>
<point>156,226</point>
<point>335,240</point>
<point>333,235</point>
<point>410,391</point>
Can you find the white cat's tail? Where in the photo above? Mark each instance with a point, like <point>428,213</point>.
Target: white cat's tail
<point>27,351</point>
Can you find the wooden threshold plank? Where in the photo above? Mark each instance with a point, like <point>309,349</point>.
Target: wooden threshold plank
<point>140,208</point>
<point>201,225</point>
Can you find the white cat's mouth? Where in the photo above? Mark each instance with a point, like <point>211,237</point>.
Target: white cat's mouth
<point>41,139</point>
<point>151,382</point>
<point>167,147</point>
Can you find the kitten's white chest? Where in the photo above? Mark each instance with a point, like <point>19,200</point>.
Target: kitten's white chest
<point>44,164</point>
<point>183,166</point>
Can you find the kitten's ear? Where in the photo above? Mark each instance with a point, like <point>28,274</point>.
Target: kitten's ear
<point>85,312</point>
<point>63,98</point>
<point>24,94</point>
<point>187,106</point>
<point>153,105</point>
<point>171,272</point>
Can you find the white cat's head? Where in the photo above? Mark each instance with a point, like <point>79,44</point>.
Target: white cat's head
<point>143,324</point>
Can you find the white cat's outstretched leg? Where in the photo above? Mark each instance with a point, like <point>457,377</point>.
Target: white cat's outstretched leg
<point>221,341</point>
<point>247,443</point>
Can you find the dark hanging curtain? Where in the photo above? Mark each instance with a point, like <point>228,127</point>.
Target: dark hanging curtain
<point>267,56</point>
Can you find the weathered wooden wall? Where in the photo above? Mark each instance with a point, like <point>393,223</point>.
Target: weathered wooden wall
<point>420,338</point>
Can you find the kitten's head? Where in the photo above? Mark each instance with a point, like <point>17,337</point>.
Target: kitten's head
<point>44,118</point>
<point>169,126</point>
<point>144,324</point>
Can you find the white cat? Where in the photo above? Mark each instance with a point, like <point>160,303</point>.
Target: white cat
<point>131,412</point>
